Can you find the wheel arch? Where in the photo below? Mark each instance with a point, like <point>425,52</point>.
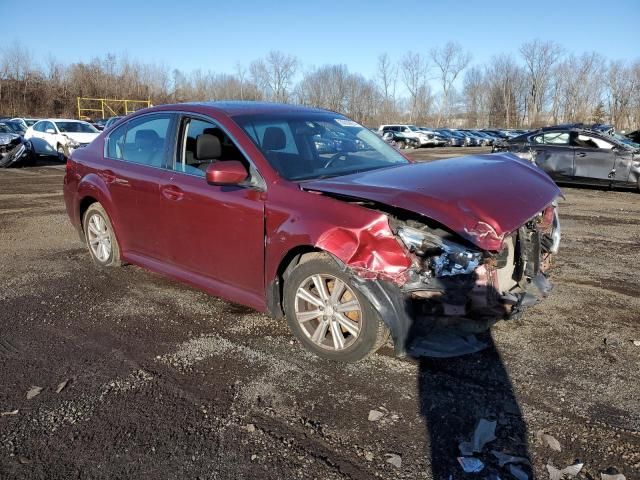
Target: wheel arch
<point>288,262</point>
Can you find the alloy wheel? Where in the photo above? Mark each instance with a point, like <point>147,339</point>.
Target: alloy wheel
<point>99,237</point>
<point>328,312</point>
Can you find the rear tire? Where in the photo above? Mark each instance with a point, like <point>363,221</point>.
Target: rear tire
<point>329,315</point>
<point>100,237</point>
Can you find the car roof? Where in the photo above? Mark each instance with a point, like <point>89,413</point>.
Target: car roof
<point>232,108</point>
<point>61,120</point>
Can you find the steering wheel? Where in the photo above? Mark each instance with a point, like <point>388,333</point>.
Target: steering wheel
<point>336,157</point>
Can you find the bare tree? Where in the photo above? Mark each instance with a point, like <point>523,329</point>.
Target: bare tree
<point>476,97</point>
<point>275,74</point>
<point>450,61</point>
<point>622,84</point>
<point>414,68</point>
<point>505,78</point>
<point>387,77</point>
<point>539,58</point>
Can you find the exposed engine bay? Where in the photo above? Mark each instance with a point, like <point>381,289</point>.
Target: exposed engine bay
<point>453,278</point>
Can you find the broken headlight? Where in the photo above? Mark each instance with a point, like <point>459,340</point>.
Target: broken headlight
<point>443,257</point>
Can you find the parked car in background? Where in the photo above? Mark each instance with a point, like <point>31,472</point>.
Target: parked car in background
<point>634,136</point>
<point>496,133</point>
<point>410,131</point>
<point>100,123</point>
<point>577,155</point>
<point>112,120</point>
<point>467,140</point>
<point>8,140</point>
<point>478,139</point>
<point>487,139</point>
<point>61,136</point>
<point>400,140</point>
<point>16,126</point>
<point>433,138</point>
<point>235,199</point>
<point>452,140</point>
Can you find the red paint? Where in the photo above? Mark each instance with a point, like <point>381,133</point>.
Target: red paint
<point>230,240</point>
<point>231,172</point>
<point>479,198</point>
<point>373,251</point>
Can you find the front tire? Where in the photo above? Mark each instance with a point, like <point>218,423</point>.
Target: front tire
<point>100,237</point>
<point>328,314</point>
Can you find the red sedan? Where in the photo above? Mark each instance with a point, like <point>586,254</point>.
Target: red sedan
<point>311,217</point>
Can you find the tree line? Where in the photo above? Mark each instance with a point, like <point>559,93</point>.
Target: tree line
<point>540,85</point>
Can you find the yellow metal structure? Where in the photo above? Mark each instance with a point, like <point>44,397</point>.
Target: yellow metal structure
<point>108,107</point>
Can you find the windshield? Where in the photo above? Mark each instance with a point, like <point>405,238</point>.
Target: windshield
<point>413,128</point>
<point>5,129</point>
<point>625,140</point>
<point>76,127</point>
<point>304,146</point>
<point>15,127</point>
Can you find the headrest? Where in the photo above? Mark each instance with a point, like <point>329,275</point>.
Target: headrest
<point>146,136</point>
<point>274,139</point>
<point>208,147</point>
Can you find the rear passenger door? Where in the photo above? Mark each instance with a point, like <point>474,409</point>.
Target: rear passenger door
<point>594,159</point>
<point>136,154</point>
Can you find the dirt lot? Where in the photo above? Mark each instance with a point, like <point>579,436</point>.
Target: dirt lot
<point>167,382</point>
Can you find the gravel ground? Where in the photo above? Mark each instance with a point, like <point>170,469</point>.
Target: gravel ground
<point>163,381</point>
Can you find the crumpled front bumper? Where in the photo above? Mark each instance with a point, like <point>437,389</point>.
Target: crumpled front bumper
<point>516,279</point>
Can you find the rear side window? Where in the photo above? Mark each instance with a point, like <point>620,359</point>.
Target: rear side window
<point>141,140</point>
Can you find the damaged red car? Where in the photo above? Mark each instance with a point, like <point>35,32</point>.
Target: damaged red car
<point>307,215</point>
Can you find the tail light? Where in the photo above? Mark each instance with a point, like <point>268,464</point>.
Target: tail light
<point>69,167</point>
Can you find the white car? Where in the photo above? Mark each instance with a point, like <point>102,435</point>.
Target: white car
<point>63,136</point>
<point>410,131</point>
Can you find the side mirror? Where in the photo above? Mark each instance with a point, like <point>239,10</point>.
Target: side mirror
<point>50,130</point>
<point>228,172</point>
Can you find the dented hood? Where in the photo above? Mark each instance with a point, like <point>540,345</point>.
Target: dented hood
<point>482,198</point>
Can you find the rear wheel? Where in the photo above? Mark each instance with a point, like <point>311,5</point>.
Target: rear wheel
<point>61,152</point>
<point>329,316</point>
<point>100,237</point>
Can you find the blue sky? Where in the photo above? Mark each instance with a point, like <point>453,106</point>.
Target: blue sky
<point>216,35</point>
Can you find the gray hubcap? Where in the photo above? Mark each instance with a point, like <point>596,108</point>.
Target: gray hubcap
<point>328,312</point>
<point>99,237</point>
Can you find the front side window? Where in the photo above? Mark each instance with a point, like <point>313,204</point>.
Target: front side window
<point>589,141</point>
<point>142,140</point>
<point>302,146</point>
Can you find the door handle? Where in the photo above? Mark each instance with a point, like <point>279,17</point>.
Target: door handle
<point>109,176</point>
<point>612,173</point>
<point>581,154</point>
<point>171,192</point>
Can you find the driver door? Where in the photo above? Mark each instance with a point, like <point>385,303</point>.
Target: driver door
<point>594,159</point>
<point>214,234</point>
